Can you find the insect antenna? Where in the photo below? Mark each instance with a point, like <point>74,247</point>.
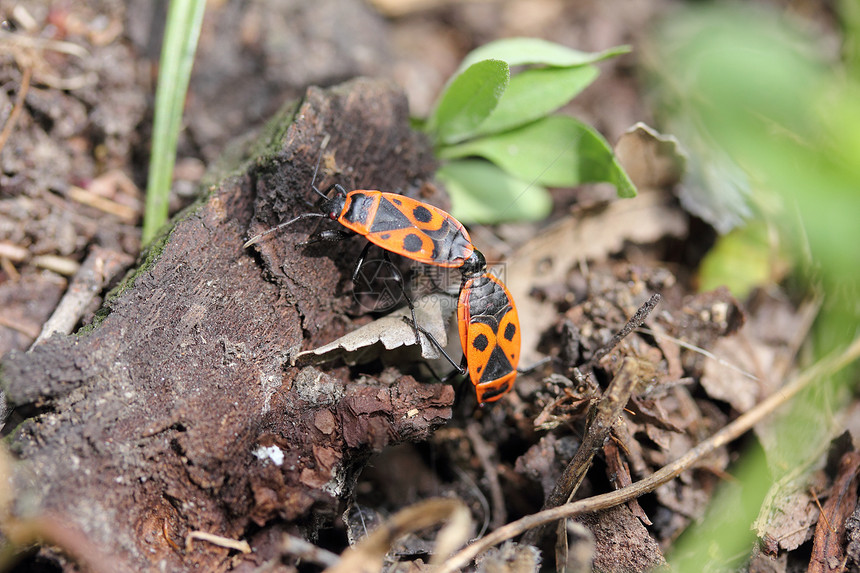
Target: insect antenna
<point>323,145</point>
<point>256,238</point>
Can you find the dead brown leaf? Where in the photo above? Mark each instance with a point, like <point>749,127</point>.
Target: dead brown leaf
<point>367,556</point>
<point>651,159</point>
<point>590,235</point>
<point>754,360</point>
<point>388,333</point>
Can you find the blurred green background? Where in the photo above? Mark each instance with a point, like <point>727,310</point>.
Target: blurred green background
<point>774,124</point>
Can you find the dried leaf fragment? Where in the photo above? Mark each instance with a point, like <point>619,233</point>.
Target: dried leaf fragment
<point>367,555</point>
<point>387,333</point>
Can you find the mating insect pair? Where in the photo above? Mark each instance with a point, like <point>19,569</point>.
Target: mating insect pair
<point>487,318</point>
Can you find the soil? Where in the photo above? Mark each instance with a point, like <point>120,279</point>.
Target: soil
<point>154,395</point>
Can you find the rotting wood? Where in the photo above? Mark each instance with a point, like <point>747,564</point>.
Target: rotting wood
<point>166,417</point>
<point>828,552</point>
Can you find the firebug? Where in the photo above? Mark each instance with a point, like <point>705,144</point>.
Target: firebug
<point>489,330</point>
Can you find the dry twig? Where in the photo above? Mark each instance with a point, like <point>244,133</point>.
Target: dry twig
<point>307,551</point>
<point>218,540</point>
<point>485,454</point>
<point>26,74</point>
<point>827,547</point>
<point>603,417</point>
<point>98,269</point>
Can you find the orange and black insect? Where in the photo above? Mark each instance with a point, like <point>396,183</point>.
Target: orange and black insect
<point>487,317</point>
<point>407,227</point>
<point>398,224</point>
<point>489,331</point>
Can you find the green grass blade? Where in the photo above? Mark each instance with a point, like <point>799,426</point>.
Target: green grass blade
<point>184,20</point>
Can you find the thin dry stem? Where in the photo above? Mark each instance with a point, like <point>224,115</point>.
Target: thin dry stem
<point>238,545</point>
<point>605,415</point>
<point>26,74</point>
<point>484,453</point>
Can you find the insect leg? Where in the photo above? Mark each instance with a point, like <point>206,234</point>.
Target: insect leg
<point>458,371</point>
<point>360,263</point>
<point>398,277</point>
<point>323,145</point>
<point>535,366</point>
<point>461,369</point>
<point>327,235</point>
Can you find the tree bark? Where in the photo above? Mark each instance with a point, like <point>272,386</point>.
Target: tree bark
<point>179,411</point>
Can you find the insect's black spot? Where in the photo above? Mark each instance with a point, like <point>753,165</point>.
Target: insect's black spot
<point>510,331</point>
<point>422,214</point>
<point>412,243</point>
<point>479,369</point>
<point>385,236</point>
<point>396,201</point>
<point>480,343</point>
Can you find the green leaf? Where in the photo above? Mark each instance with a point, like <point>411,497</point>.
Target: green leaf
<point>535,93</point>
<point>522,51</point>
<point>740,260</point>
<point>557,151</point>
<point>483,193</point>
<point>468,100</point>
